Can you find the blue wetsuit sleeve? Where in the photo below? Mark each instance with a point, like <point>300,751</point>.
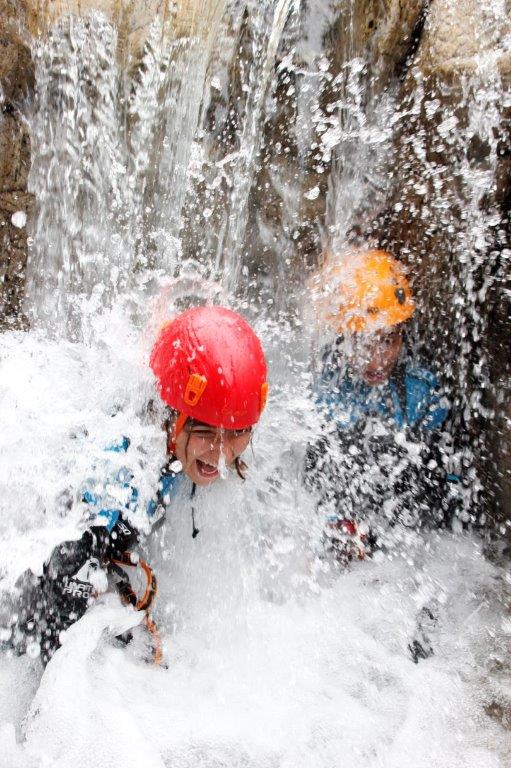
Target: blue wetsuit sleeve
<point>432,409</point>
<point>112,493</point>
<point>436,414</point>
<point>427,406</point>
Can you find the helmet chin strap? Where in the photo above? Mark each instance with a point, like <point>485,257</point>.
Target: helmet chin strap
<point>177,428</point>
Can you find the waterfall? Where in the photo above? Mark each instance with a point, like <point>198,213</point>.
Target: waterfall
<point>265,43</point>
<point>173,87</point>
<point>475,270</point>
<point>114,152</point>
<point>218,160</point>
<point>121,155</point>
<point>111,153</point>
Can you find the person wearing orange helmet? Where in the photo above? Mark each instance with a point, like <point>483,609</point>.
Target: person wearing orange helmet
<point>211,374</point>
<point>365,298</point>
<point>378,461</point>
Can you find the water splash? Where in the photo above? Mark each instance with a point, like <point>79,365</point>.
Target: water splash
<point>167,109</point>
<point>357,138</point>
<point>228,155</point>
<point>249,585</point>
<point>476,255</point>
<point>222,466</point>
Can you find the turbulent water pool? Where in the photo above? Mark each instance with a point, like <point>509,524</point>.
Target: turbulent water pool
<point>271,660</point>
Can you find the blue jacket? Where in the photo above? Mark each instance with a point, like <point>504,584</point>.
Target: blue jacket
<point>115,517</point>
<point>117,496</point>
<point>359,472</point>
<point>410,397</point>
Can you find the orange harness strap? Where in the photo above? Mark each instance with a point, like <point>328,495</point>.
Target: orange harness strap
<point>144,603</point>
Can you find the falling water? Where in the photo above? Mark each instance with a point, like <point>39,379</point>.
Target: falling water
<point>113,160</point>
<point>80,251</point>
<point>357,130</point>
<point>111,155</point>
<point>166,108</point>
<point>229,156</point>
<point>475,271</point>
<point>266,39</point>
<point>114,157</point>
<point>357,136</point>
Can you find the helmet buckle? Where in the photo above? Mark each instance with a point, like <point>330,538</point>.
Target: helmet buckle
<point>264,395</point>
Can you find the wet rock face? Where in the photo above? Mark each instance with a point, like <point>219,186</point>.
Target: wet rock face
<point>497,460</point>
<point>287,208</point>
<point>459,32</point>
<point>447,218</point>
<point>132,19</point>
<point>16,79</point>
<point>20,22</point>
<point>15,62</point>
<point>381,32</point>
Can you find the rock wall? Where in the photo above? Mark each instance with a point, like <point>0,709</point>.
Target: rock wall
<point>288,200</point>
<point>131,17</point>
<point>15,82</point>
<point>448,218</point>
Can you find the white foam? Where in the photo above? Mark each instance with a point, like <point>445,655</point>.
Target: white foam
<point>272,659</point>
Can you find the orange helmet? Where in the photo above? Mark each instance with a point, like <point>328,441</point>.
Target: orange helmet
<point>363,292</point>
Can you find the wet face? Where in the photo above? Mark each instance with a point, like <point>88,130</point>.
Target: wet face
<point>203,450</point>
<point>375,355</point>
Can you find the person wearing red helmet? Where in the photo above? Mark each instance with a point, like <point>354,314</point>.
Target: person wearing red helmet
<point>211,374</point>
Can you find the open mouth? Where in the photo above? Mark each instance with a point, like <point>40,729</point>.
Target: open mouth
<point>205,470</point>
<point>375,377</point>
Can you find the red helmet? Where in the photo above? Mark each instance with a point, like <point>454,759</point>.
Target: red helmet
<point>210,366</point>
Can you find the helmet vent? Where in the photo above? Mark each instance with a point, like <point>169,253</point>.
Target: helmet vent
<point>195,388</point>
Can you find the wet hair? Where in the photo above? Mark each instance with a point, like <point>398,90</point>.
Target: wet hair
<point>240,467</point>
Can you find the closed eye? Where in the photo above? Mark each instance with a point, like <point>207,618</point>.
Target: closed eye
<point>203,433</point>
